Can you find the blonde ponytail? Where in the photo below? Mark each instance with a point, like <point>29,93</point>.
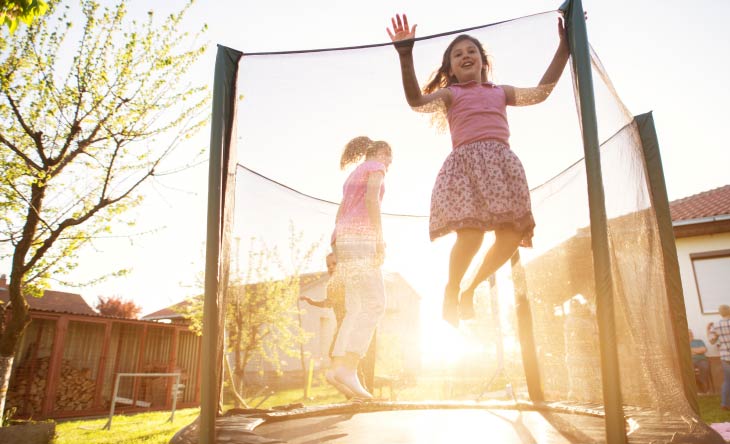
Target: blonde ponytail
<point>354,150</point>
<point>361,147</point>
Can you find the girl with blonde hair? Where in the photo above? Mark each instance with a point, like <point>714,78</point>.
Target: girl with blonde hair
<point>359,253</point>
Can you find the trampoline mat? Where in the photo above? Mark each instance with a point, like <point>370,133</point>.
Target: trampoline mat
<point>438,426</point>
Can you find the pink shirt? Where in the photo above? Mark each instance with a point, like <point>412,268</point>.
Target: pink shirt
<point>478,112</point>
<point>354,218</point>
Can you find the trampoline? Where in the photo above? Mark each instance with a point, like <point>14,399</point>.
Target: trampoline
<point>433,424</point>
<point>445,422</point>
<point>586,330</point>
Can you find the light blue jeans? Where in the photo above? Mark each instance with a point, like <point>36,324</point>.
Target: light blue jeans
<point>358,266</point>
<point>725,395</point>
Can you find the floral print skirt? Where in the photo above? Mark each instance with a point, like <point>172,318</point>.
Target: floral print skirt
<point>481,185</point>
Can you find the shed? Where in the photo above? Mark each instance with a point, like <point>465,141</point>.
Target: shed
<point>701,225</point>
<point>69,356</point>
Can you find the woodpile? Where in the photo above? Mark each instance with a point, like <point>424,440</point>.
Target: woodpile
<point>75,389</point>
<point>27,390</point>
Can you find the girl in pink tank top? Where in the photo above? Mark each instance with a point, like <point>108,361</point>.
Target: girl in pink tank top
<point>481,185</point>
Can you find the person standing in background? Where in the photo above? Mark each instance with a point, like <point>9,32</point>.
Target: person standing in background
<point>700,362</point>
<point>720,334</point>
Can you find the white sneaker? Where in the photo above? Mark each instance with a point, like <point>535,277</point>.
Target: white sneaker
<point>349,379</point>
<point>329,375</point>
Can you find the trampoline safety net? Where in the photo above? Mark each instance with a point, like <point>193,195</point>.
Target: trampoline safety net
<point>294,113</point>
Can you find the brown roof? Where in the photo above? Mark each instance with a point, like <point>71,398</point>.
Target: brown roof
<point>171,312</point>
<point>703,205</point>
<point>56,301</point>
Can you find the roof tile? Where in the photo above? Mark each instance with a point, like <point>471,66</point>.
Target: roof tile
<point>57,301</point>
<point>710,203</point>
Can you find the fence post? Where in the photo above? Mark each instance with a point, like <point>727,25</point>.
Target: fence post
<point>108,424</point>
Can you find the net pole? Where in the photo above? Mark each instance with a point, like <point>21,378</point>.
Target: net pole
<point>611,379</point>
<point>223,103</point>
<point>675,296</point>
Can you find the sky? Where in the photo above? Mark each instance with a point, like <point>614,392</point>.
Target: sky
<point>664,56</point>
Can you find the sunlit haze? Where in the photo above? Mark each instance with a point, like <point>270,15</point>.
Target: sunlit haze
<point>662,56</point>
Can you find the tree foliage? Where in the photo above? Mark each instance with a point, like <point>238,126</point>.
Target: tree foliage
<point>262,314</point>
<point>83,124</point>
<point>12,12</point>
<point>118,307</point>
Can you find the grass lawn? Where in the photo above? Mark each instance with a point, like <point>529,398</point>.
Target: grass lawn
<point>153,428</point>
<point>710,410</point>
<point>147,428</point>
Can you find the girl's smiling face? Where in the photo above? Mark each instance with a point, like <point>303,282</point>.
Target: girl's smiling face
<point>466,61</point>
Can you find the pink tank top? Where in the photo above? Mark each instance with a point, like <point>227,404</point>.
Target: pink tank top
<point>354,219</point>
<point>478,112</point>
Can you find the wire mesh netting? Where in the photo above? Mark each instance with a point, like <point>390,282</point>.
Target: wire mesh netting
<point>295,113</point>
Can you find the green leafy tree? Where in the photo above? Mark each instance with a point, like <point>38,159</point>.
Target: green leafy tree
<point>262,314</point>
<point>12,12</point>
<point>80,135</point>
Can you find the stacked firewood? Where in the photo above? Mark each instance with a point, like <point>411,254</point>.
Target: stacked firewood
<point>27,390</point>
<point>75,389</point>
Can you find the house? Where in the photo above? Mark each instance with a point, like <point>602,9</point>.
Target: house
<point>172,314</point>
<point>701,225</point>
<point>56,301</point>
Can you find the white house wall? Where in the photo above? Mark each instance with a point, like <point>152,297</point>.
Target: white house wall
<point>695,318</point>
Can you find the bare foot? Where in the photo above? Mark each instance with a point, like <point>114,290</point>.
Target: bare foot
<point>450,310</point>
<point>466,305</point>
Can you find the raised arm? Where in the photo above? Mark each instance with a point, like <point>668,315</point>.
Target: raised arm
<point>325,303</point>
<point>532,96</point>
<point>402,37</point>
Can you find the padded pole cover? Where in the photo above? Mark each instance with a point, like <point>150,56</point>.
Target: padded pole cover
<point>675,296</point>
<point>221,175</point>
<point>578,39</point>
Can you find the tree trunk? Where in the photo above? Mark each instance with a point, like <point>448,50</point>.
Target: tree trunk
<point>238,400</point>
<point>6,366</point>
<point>19,318</point>
<point>10,337</point>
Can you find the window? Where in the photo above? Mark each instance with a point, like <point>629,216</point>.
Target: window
<point>712,278</point>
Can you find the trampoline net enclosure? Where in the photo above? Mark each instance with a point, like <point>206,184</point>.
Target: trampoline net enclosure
<point>295,112</point>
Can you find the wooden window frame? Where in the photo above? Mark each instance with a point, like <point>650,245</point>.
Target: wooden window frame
<point>703,256</point>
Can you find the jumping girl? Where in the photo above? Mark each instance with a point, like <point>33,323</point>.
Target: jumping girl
<point>481,185</point>
<point>359,251</point>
